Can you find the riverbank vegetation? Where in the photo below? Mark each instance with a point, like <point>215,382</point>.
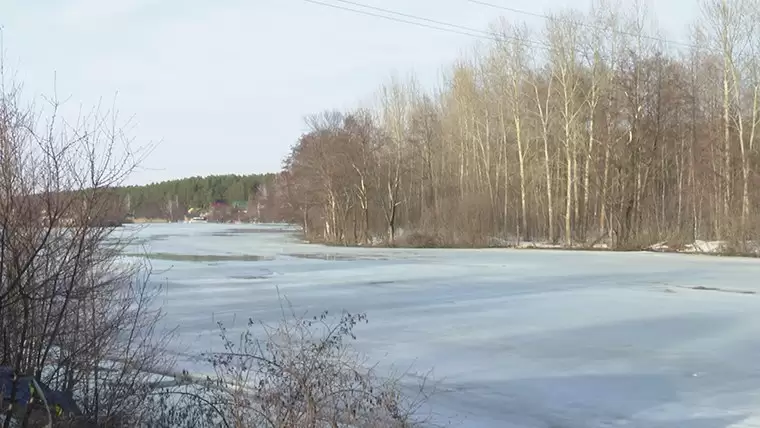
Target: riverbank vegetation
<point>591,130</point>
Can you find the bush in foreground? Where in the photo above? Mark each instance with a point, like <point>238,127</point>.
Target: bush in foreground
<point>302,373</point>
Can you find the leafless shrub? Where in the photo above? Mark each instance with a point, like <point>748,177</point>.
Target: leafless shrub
<point>739,238</point>
<point>302,373</point>
<point>420,240</point>
<point>74,315</point>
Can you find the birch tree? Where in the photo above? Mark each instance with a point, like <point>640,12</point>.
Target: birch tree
<point>512,53</point>
<point>395,105</point>
<point>563,34</point>
<point>733,27</point>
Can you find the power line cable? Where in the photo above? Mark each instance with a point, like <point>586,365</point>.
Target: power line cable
<point>420,18</point>
<point>587,25</point>
<point>473,32</point>
<point>434,24</point>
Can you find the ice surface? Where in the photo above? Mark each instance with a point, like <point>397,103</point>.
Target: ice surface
<point>516,338</point>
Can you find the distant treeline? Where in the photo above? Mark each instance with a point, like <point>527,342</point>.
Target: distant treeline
<point>172,199</point>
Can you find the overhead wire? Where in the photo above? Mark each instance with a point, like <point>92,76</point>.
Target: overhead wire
<point>420,18</point>
<point>424,22</point>
<point>469,31</point>
<point>583,24</point>
<point>433,24</point>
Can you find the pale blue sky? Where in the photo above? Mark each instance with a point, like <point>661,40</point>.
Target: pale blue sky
<point>223,85</point>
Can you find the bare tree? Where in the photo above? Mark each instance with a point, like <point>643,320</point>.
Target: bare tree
<point>395,114</point>
<point>563,33</point>
<point>74,317</point>
<point>732,25</point>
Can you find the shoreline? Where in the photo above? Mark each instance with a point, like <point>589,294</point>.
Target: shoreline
<point>699,248</point>
<point>656,249</point>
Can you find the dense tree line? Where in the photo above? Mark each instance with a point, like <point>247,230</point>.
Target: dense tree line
<point>171,199</point>
<point>593,129</point>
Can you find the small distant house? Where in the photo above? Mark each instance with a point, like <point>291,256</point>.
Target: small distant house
<point>220,211</point>
<point>220,204</point>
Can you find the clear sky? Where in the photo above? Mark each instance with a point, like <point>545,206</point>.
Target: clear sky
<point>223,85</point>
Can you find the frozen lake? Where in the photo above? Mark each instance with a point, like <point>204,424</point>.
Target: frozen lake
<point>516,338</point>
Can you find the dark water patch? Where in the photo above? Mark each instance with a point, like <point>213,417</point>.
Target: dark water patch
<point>721,290</point>
<point>251,277</point>
<point>200,257</point>
<point>336,257</point>
<point>380,283</point>
<point>241,231</point>
<point>161,237</point>
<point>144,240</point>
